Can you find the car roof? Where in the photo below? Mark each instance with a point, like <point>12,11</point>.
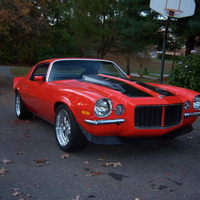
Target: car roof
<point>89,59</point>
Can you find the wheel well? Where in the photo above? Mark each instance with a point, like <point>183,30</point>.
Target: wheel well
<point>56,105</point>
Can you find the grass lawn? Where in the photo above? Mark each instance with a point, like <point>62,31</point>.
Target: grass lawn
<point>137,65</point>
<point>19,71</point>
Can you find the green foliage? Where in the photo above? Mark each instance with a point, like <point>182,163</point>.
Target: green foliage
<point>35,30</point>
<point>20,71</point>
<point>145,72</point>
<point>186,73</point>
<point>93,26</point>
<point>136,26</point>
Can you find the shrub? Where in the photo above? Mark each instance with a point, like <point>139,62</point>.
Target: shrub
<point>186,72</point>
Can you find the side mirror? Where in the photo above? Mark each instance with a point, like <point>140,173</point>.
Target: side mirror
<point>39,78</point>
<point>129,76</point>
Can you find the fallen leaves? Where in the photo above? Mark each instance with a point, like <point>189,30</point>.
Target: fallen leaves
<point>114,164</point>
<point>95,169</point>
<point>41,162</point>
<point>101,159</point>
<point>85,162</point>
<point>77,197</point>
<point>3,171</point>
<point>6,161</point>
<point>65,156</point>
<point>16,192</point>
<point>108,164</point>
<point>94,174</point>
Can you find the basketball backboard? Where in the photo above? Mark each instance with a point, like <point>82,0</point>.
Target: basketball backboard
<point>174,8</point>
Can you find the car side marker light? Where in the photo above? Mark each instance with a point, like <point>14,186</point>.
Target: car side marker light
<point>84,112</point>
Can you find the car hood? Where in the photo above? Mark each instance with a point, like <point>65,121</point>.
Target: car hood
<point>127,87</point>
<point>103,86</point>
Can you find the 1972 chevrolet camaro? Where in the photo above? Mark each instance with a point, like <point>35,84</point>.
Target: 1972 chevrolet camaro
<point>94,100</point>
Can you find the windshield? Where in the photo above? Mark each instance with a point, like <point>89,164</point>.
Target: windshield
<point>75,69</point>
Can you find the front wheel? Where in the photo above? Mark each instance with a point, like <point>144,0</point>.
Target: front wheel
<point>68,134</point>
<point>20,109</point>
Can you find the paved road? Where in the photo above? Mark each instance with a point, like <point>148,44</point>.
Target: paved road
<point>32,167</point>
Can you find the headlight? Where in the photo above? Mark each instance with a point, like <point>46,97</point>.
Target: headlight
<point>187,105</point>
<point>119,109</point>
<point>103,107</point>
<point>196,104</point>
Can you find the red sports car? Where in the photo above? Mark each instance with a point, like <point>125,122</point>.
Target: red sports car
<point>94,100</point>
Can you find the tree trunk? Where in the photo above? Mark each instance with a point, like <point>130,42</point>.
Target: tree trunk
<point>128,65</point>
<point>190,44</point>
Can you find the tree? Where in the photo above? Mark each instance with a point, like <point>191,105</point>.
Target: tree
<point>137,28</point>
<point>34,30</point>
<point>16,24</point>
<point>187,29</point>
<point>136,25</point>
<point>60,40</point>
<point>93,26</point>
<point>40,29</point>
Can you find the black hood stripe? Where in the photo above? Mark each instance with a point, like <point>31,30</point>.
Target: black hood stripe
<point>117,85</point>
<point>155,89</point>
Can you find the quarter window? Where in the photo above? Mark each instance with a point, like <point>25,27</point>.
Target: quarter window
<point>40,70</point>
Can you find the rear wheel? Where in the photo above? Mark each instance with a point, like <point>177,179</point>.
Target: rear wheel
<point>20,109</point>
<point>68,134</point>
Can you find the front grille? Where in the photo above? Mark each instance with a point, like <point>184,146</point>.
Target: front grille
<point>158,116</point>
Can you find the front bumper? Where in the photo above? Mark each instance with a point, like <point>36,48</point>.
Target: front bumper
<point>119,121</point>
<point>194,114</point>
<point>117,140</point>
<point>103,122</point>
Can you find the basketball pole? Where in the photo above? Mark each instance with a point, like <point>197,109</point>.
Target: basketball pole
<point>163,50</point>
<point>158,5</point>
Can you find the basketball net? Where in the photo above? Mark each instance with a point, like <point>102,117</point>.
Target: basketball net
<point>173,12</point>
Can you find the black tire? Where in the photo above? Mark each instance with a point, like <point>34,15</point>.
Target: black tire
<point>68,134</point>
<point>20,109</point>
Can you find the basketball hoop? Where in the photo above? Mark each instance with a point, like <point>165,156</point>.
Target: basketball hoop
<point>174,8</point>
<point>172,12</point>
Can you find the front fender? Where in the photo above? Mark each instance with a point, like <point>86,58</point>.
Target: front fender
<point>16,81</point>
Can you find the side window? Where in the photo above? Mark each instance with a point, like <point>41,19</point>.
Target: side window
<point>40,70</point>
<point>64,70</point>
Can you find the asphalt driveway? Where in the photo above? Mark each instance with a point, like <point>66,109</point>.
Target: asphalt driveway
<point>32,167</point>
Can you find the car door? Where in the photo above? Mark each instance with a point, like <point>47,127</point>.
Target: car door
<point>33,90</point>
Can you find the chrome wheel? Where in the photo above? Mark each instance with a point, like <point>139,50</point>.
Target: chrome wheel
<point>17,105</point>
<point>63,127</point>
<point>20,109</point>
<point>68,134</point>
